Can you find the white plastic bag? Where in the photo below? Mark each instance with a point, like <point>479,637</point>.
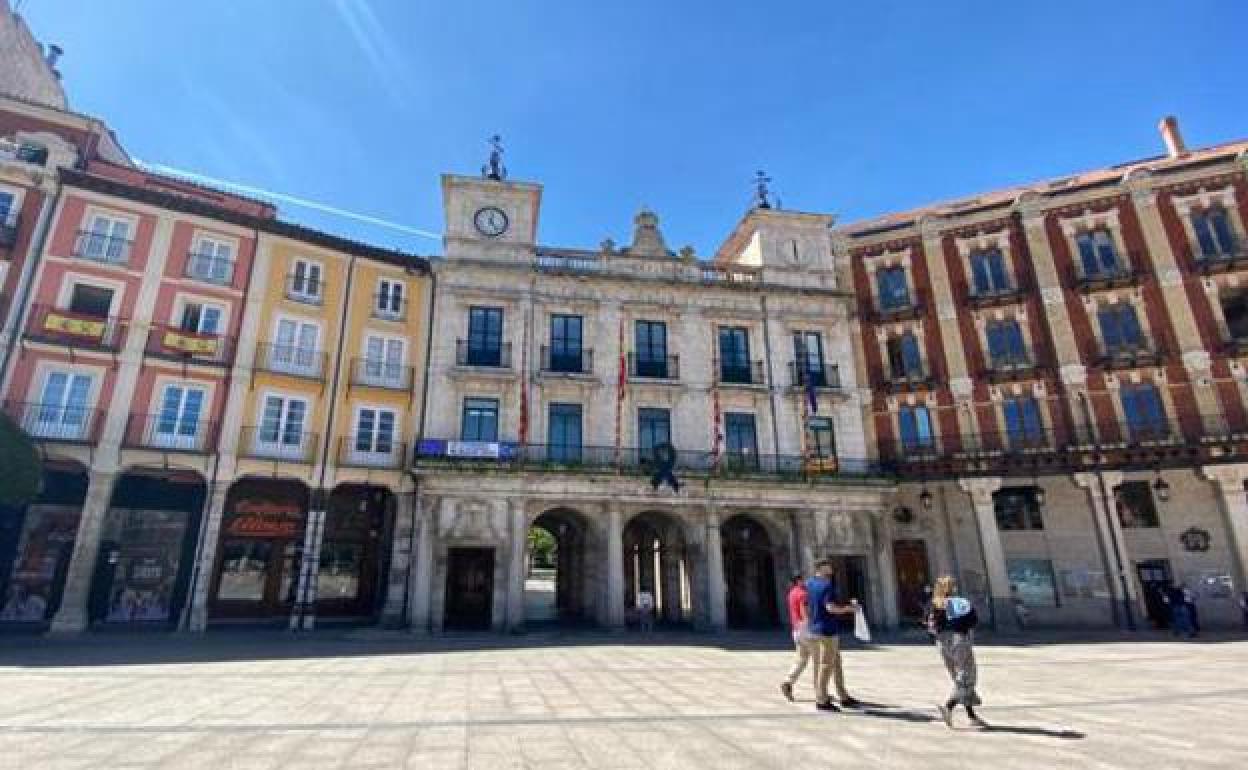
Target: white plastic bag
<point>862,632</point>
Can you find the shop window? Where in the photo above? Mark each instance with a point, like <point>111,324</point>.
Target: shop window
<point>1034,580</point>
<point>1017,508</point>
<point>1135,505</point>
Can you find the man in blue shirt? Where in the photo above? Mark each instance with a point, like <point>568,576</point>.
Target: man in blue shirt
<point>826,618</point>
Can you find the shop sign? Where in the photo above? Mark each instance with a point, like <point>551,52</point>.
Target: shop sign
<point>1195,539</point>
<point>489,450</point>
<point>78,327</point>
<point>265,518</point>
<point>188,343</point>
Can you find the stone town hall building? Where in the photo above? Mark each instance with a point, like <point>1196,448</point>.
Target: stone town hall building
<point>241,420</point>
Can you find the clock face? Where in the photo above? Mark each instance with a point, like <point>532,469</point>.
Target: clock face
<point>490,221</point>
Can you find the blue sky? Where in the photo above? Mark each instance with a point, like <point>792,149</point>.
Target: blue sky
<point>853,108</point>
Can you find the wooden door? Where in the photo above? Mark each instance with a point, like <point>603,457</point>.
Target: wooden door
<point>469,588</point>
<point>913,576</point>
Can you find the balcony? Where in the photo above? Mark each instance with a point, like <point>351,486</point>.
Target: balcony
<point>291,360</point>
<point>308,291</point>
<point>387,308</point>
<point>55,326</point>
<point>170,433</point>
<point>511,457</point>
<point>910,378</point>
<point>370,452</point>
<point>1130,355</point>
<point>654,367</point>
<point>484,356</point>
<point>738,372</point>
<point>802,374</point>
<point>908,308</point>
<point>997,296</point>
<point>279,444</point>
<point>170,342</point>
<point>56,422</point>
<point>1107,278</point>
<point>1222,261</point>
<point>1011,368</point>
<point>209,268</point>
<point>565,361</point>
<point>372,373</point>
<point>109,249</point>
<point>10,223</point>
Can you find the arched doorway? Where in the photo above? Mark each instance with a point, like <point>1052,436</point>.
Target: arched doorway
<point>749,574</point>
<point>36,544</point>
<point>656,561</point>
<point>355,554</point>
<point>147,546</point>
<point>557,567</point>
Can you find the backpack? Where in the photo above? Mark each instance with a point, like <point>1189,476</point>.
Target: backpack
<point>957,607</point>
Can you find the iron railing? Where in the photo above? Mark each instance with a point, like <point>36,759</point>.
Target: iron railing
<point>1008,367</point>
<point>279,444</point>
<point>374,373</point>
<point>109,249</point>
<point>371,452</point>
<point>909,307</point>
<point>1121,274</point>
<point>997,295</point>
<point>1222,261</point>
<point>209,268</point>
<point>496,357</point>
<point>305,289</point>
<point>172,433</point>
<point>563,361</point>
<point>57,422</point>
<point>1128,355</point>
<point>738,372</point>
<point>910,377</point>
<point>818,374</point>
<point>57,326</point>
<point>654,367</point>
<point>292,360</point>
<point>169,341</point>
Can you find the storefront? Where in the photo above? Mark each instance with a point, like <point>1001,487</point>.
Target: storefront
<point>146,550</point>
<point>257,569</point>
<point>36,544</point>
<point>354,557</point>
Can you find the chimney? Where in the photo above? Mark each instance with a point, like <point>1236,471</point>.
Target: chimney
<point>1169,128</point>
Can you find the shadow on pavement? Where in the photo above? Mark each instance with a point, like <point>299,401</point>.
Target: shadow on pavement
<point>1043,732</point>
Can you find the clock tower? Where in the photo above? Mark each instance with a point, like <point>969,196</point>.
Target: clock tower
<point>490,217</point>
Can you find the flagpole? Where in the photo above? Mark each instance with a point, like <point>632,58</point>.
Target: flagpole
<point>621,385</point>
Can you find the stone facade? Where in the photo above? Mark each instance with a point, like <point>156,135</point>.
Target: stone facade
<point>24,71</point>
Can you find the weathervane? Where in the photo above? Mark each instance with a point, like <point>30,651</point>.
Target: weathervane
<point>495,169</point>
<point>762,195</point>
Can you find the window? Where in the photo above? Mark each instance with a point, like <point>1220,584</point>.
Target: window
<point>295,347</point>
<point>741,440</point>
<point>281,425</point>
<point>890,284</point>
<point>654,427</point>
<point>199,318</point>
<point>305,282</point>
<point>1097,253</point>
<point>1235,311</point>
<point>565,343</point>
<point>1023,424</point>
<point>564,432</point>
<point>808,358</point>
<point>485,336</point>
<point>1134,503</point>
<point>389,299</point>
<point>1017,508</point>
<point>988,272</point>
<point>1120,327</point>
<point>650,342</point>
<point>383,360</point>
<point>480,421</point>
<point>106,239</point>
<point>1034,579</point>
<point>915,426</point>
<point>734,354</point>
<point>8,206</point>
<point>374,431</point>
<point>821,438</point>
<point>1213,232</point>
<point>177,424</point>
<point>1005,343</point>
<point>212,261</point>
<point>95,301</point>
<point>62,411</point>
<point>1144,412</point>
<point>904,358</point>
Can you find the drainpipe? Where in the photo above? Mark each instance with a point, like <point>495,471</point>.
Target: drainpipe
<point>27,281</point>
<point>424,410</point>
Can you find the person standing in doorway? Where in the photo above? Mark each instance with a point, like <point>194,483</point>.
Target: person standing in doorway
<point>952,621</point>
<point>1021,613</point>
<point>801,633</point>
<point>1243,607</point>
<point>645,610</point>
<point>825,614</point>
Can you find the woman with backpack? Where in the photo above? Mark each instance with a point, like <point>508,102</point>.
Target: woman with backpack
<point>952,620</point>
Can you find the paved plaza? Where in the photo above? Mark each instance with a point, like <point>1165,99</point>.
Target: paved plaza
<point>374,699</point>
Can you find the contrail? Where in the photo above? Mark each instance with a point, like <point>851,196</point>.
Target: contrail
<point>291,199</point>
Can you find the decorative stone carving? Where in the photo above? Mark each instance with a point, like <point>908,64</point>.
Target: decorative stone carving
<point>962,387</point>
<point>946,311</point>
<point>1170,277</point>
<point>1074,374</point>
<point>1052,295</point>
<point>1198,362</point>
<point>472,520</point>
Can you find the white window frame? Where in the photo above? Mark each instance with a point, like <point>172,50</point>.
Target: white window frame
<point>70,280</point>
<point>291,367</point>
<point>197,251</point>
<point>92,214</point>
<point>387,313</point>
<point>379,378</point>
<point>18,195</point>
<point>373,457</point>
<point>31,419</point>
<point>179,309</point>
<point>303,294</point>
<point>279,448</point>
<point>178,440</point>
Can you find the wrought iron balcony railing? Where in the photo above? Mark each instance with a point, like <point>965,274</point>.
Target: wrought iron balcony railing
<point>374,373</point>
<point>1110,277</point>
<point>109,249</point>
<point>1234,258</point>
<point>565,361</point>
<point>654,367</point>
<point>57,326</point>
<point>175,344</point>
<point>737,371</point>
<point>60,423</point>
<point>292,360</point>
<point>279,443</point>
<point>818,374</point>
<point>209,268</point>
<point>1130,354</point>
<point>1011,367</point>
<point>904,378</point>
<point>375,451</point>
<point>472,353</point>
<point>897,309</point>
<point>992,296</point>
<point>170,432</point>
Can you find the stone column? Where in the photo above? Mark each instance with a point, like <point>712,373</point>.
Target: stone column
<point>1113,545</point>
<point>669,569</point>
<point>515,566</point>
<point>887,613</point>
<point>980,490</point>
<point>1228,480</point>
<point>615,570</point>
<point>72,616</point>
<point>201,583</point>
<point>400,559</point>
<point>716,601</point>
<point>303,616</point>
<point>420,577</point>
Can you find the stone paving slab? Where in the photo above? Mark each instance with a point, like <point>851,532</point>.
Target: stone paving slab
<point>666,701</point>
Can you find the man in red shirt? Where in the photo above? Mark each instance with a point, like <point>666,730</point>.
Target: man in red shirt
<point>797,620</point>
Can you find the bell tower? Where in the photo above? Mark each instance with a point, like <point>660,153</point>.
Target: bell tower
<point>490,217</point>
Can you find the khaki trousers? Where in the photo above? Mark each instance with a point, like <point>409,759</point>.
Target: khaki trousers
<point>804,650</point>
<point>826,651</point>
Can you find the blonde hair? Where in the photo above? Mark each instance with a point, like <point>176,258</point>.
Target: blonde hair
<point>945,587</point>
